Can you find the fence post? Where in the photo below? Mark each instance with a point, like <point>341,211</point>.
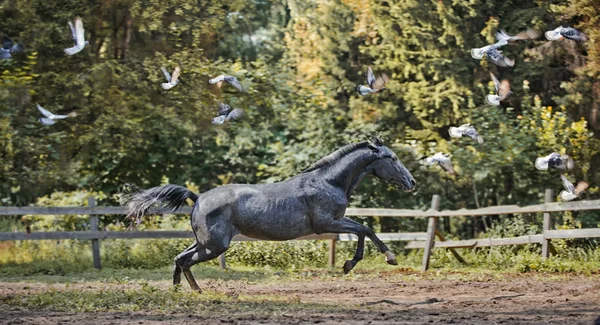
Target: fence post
<point>222,261</point>
<point>546,226</point>
<point>435,205</point>
<point>331,261</point>
<point>94,227</point>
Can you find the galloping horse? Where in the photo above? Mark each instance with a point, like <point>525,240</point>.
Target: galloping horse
<point>313,202</point>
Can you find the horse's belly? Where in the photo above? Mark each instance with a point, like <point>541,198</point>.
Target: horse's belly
<point>275,227</point>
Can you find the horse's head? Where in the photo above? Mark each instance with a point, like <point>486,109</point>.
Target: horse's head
<point>388,167</point>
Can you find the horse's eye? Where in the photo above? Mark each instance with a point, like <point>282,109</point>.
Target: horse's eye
<point>394,158</point>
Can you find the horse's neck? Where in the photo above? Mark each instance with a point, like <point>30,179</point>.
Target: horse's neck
<point>349,170</point>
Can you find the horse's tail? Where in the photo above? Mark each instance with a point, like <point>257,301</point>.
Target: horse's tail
<point>161,199</point>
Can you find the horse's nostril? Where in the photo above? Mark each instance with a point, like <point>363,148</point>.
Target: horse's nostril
<point>413,183</point>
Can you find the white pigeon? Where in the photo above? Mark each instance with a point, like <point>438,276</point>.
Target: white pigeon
<point>172,80</point>
<point>443,160</point>
<point>50,117</point>
<point>467,130</point>
<point>230,79</point>
<point>78,36</point>
<point>478,53</point>
<point>226,114</point>
<point>566,32</point>
<point>374,85</point>
<point>572,192</point>
<point>554,160</point>
<point>502,91</point>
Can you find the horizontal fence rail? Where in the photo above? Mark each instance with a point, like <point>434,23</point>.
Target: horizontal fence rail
<point>417,240</point>
<point>351,212</point>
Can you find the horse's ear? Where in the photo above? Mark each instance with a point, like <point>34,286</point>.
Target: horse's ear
<point>373,148</point>
<point>377,141</point>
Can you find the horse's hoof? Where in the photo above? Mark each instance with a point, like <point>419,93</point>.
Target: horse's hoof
<point>348,266</point>
<point>390,258</point>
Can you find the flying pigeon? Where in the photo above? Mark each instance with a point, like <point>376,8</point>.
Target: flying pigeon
<point>554,160</point>
<point>566,32</point>
<point>522,36</point>
<point>230,79</point>
<point>49,117</point>
<point>467,130</point>
<point>493,54</point>
<point>226,114</point>
<point>8,48</point>
<point>572,192</point>
<point>502,91</point>
<point>375,85</point>
<point>172,80</point>
<point>443,160</point>
<point>78,36</point>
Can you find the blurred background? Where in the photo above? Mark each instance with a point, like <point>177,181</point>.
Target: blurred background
<point>300,62</point>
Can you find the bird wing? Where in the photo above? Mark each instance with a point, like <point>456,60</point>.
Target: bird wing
<point>567,185</point>
<point>370,77</point>
<point>496,82</point>
<point>79,32</point>
<point>504,89</point>
<point>224,109</point>
<point>7,43</point>
<point>502,35</point>
<point>166,73</point>
<point>5,54</point>
<point>234,82</point>
<point>380,82</point>
<point>235,114</point>
<point>175,75</point>
<point>455,132</point>
<point>581,186</point>
<point>575,35</point>
<point>45,112</point>
<point>73,33</point>
<point>446,165</point>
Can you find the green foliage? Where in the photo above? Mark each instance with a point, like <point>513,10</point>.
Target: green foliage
<point>299,62</point>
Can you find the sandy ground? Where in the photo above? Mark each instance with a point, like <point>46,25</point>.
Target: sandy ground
<point>387,299</point>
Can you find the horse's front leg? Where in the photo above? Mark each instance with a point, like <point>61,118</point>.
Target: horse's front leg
<point>347,225</point>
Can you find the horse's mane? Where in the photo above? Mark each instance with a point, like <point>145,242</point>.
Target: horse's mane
<point>336,155</point>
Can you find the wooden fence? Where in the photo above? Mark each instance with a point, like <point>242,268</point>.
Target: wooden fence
<point>425,240</point>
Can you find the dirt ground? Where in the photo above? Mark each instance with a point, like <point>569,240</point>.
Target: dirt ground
<point>386,299</point>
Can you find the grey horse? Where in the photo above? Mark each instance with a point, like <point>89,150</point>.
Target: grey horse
<point>313,202</point>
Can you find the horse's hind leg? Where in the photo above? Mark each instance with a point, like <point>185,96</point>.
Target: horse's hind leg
<point>220,238</point>
<point>176,268</point>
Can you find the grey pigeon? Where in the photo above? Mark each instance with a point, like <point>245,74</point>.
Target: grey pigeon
<point>230,79</point>
<point>554,160</point>
<point>9,48</point>
<point>566,32</point>
<point>522,36</point>
<point>466,130</point>
<point>374,85</point>
<point>493,54</point>
<point>226,114</point>
<point>443,160</point>
<point>502,91</point>
<point>78,34</point>
<point>172,80</point>
<point>50,117</point>
<point>572,192</point>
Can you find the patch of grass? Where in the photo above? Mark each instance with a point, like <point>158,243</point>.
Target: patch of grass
<point>152,299</point>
